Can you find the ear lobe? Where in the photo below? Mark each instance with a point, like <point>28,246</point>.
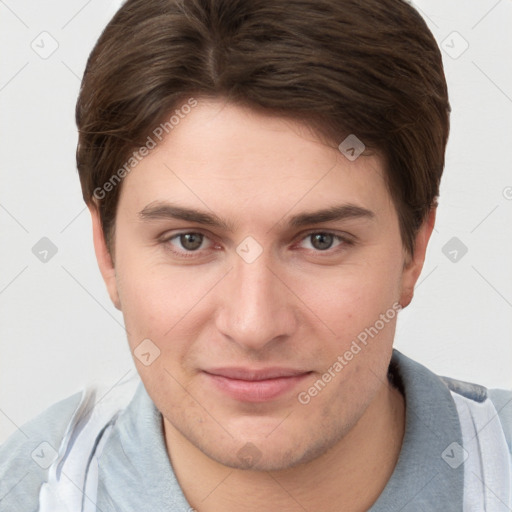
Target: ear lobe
<point>414,266</point>
<point>103,257</point>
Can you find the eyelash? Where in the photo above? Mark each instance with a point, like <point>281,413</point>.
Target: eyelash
<point>344,241</point>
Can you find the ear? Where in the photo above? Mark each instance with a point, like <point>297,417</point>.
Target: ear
<point>103,257</point>
<point>414,262</point>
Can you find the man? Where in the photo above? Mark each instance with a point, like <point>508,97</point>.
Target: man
<point>262,179</point>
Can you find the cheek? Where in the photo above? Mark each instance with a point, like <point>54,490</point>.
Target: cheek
<point>146,295</point>
<point>162,302</point>
<point>349,301</point>
<point>348,298</point>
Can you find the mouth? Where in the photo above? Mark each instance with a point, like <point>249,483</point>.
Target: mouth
<point>250,385</point>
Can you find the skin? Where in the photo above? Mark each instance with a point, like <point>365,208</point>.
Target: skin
<point>294,306</point>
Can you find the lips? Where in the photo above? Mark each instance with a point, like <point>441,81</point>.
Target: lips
<point>255,385</point>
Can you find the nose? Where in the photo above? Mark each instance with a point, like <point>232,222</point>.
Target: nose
<point>256,308</point>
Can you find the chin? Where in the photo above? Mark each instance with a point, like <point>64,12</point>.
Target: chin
<point>262,455</point>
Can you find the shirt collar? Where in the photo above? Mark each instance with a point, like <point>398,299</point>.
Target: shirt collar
<point>134,471</point>
<point>422,480</point>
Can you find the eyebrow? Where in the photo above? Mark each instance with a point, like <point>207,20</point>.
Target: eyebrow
<point>159,210</point>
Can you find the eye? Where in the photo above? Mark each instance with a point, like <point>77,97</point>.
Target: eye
<point>323,241</point>
<point>190,241</point>
<point>185,243</point>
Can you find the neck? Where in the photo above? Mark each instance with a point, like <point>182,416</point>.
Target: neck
<point>350,476</point>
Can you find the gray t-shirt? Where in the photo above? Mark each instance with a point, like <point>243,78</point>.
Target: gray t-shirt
<point>443,464</point>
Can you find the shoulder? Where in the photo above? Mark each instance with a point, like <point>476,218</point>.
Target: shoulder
<point>476,398</point>
<point>28,453</point>
<point>484,415</point>
<point>502,400</point>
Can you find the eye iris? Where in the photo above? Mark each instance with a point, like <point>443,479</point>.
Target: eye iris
<point>191,241</point>
<point>322,241</point>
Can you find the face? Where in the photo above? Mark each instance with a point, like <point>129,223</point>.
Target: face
<point>255,258</point>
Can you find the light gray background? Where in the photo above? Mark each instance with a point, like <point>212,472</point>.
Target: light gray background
<point>58,329</point>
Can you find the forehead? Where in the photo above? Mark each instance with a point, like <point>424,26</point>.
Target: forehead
<point>223,156</point>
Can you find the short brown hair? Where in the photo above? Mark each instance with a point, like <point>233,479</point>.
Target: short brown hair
<point>370,68</point>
